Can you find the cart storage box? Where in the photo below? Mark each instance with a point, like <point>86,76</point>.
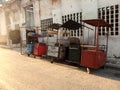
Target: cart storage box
<point>74,53</point>
<point>93,59</point>
<point>39,49</point>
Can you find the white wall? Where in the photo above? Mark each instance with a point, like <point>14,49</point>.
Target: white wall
<point>70,6</point>
<point>89,9</point>
<point>64,7</point>
<point>113,44</point>
<point>45,9</point>
<point>3,30</point>
<point>57,12</point>
<point>36,13</point>
<point>103,3</point>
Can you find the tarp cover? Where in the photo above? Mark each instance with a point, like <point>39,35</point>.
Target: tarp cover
<point>97,23</point>
<point>55,26</point>
<point>72,25</point>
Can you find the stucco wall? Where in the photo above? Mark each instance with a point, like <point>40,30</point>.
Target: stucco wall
<point>45,9</point>
<point>103,3</point>
<point>36,6</point>
<point>70,6</point>
<point>3,30</point>
<point>114,41</point>
<point>89,9</point>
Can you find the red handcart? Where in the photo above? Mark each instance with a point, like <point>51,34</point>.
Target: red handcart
<point>89,56</point>
<point>93,57</point>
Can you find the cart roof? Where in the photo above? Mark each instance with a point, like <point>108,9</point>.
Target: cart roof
<point>70,24</point>
<point>55,26</point>
<point>97,23</point>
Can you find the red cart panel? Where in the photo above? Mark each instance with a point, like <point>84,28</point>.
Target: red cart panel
<point>39,49</point>
<point>93,59</point>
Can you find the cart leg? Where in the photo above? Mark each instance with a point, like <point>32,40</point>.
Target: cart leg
<point>28,55</point>
<point>88,70</point>
<point>51,60</point>
<point>34,56</point>
<point>103,67</point>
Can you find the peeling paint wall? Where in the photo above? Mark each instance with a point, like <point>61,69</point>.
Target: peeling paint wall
<point>114,41</point>
<point>89,9</point>
<point>104,3</point>
<point>45,9</point>
<point>57,12</point>
<point>70,6</point>
<point>3,30</point>
<point>36,6</point>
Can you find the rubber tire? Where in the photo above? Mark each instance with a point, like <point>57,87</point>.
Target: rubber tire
<point>52,60</point>
<point>34,56</point>
<point>88,70</point>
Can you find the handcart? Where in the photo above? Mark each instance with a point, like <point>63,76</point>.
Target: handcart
<point>93,57</point>
<point>73,51</point>
<point>55,50</point>
<point>89,56</point>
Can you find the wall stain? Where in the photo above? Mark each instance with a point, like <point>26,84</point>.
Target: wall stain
<point>54,1</point>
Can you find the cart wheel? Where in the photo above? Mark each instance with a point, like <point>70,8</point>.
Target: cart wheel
<point>88,70</point>
<point>103,67</point>
<point>34,56</point>
<point>28,55</point>
<point>51,60</point>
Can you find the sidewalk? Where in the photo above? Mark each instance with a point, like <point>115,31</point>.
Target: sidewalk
<point>4,46</point>
<point>113,63</point>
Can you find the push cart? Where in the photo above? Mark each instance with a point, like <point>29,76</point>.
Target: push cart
<point>89,56</point>
<point>55,50</point>
<point>93,57</point>
<point>73,51</point>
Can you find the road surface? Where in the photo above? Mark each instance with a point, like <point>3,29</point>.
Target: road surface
<point>19,72</point>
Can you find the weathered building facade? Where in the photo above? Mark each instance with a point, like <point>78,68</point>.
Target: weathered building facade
<point>40,13</point>
<point>3,31</point>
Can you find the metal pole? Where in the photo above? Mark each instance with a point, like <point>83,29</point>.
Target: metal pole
<point>107,41</point>
<point>97,39</point>
<point>20,42</point>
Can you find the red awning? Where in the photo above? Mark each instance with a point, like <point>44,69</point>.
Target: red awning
<point>97,23</point>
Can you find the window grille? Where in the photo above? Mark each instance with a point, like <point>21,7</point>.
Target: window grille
<point>111,15</point>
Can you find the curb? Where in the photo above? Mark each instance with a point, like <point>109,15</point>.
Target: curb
<point>113,66</point>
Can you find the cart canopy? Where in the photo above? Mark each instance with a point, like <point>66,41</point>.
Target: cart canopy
<point>55,26</point>
<point>70,24</point>
<point>97,23</point>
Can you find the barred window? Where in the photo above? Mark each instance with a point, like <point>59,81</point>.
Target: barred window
<point>45,24</point>
<point>111,15</point>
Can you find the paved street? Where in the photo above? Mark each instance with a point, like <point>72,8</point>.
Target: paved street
<point>19,72</point>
